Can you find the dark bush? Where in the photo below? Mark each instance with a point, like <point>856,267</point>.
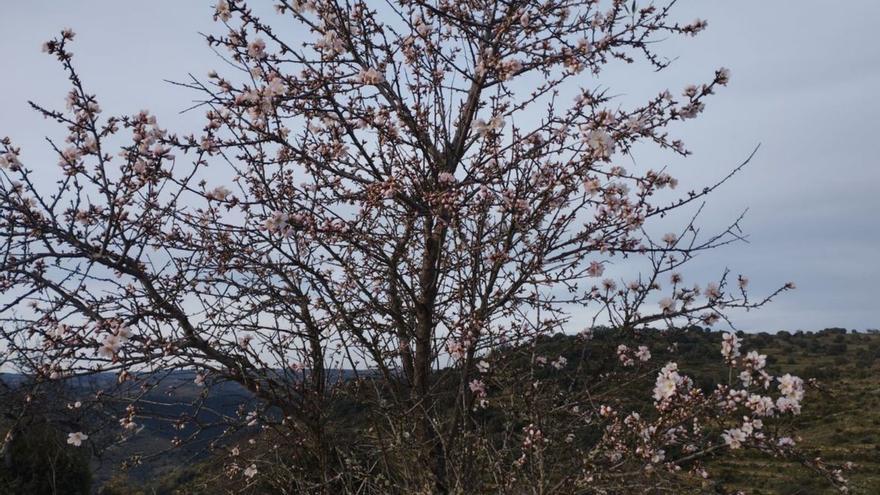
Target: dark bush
<point>40,462</point>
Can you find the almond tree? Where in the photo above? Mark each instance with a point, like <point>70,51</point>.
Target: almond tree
<point>414,191</point>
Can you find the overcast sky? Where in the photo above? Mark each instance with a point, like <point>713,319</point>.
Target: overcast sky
<point>805,77</point>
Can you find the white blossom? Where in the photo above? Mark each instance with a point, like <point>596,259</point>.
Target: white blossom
<point>111,345</point>
<point>495,124</point>
<point>730,346</point>
<point>712,292</point>
<point>222,10</point>
<point>791,387</point>
<point>76,439</point>
<point>560,362</point>
<point>667,305</point>
<point>219,193</point>
<point>761,405</point>
<point>755,361</point>
<point>785,442</point>
<point>370,76</point>
<point>734,437</point>
<point>600,143</point>
<point>667,382</point>
<point>330,43</point>
<point>257,49</point>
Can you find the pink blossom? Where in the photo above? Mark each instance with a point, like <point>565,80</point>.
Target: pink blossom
<point>221,11</point>
<point>478,387</point>
<point>446,178</point>
<point>257,49</point>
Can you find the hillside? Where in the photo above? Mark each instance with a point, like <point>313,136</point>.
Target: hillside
<point>840,421</point>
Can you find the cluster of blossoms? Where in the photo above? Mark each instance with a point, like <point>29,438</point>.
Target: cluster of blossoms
<point>595,269</point>
<point>485,128</point>
<point>514,203</point>
<point>257,49</point>
<point>559,363</point>
<point>422,27</point>
<point>533,437</point>
<point>57,334</point>
<point>730,347</point>
<point>221,10</point>
<point>629,357</point>
<point>478,388</point>
<point>370,76</point>
<point>599,142</point>
<point>667,305</point>
<point>118,334</point>
<point>533,441</point>
<point>754,371</point>
<point>219,193</point>
<point>457,348</point>
<point>792,390</point>
<point>244,342</point>
<point>330,44</point>
<point>686,414</point>
<point>260,102</point>
<point>670,382</point>
<point>286,224</point>
<point>461,340</point>
<point>483,366</point>
<point>127,421</point>
<point>10,160</point>
<point>250,471</point>
<point>736,437</point>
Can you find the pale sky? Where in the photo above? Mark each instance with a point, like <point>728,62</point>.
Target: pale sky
<point>804,85</point>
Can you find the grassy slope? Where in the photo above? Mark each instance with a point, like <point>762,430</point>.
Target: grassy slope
<point>840,421</point>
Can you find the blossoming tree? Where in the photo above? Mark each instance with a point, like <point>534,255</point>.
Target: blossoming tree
<point>413,192</point>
